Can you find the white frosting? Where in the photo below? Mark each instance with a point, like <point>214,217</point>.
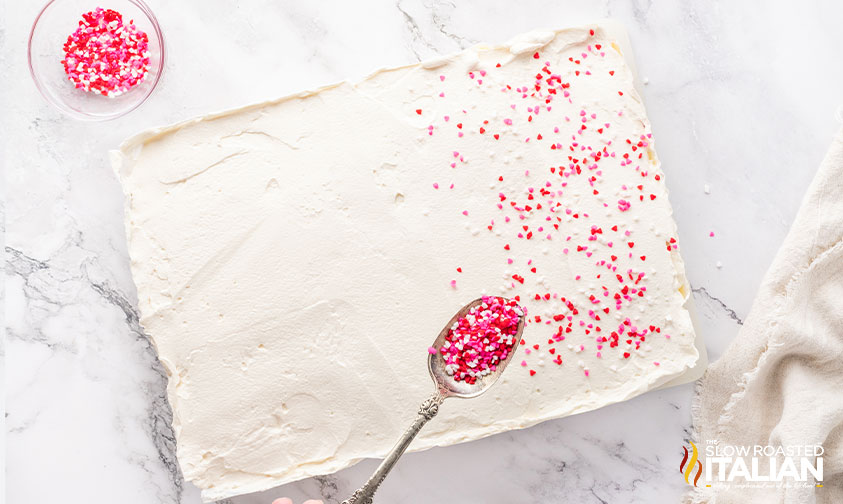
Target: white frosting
<point>294,261</point>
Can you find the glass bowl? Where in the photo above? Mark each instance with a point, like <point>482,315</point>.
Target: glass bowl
<point>56,21</point>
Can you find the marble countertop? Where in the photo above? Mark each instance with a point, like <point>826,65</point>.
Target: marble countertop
<point>743,99</point>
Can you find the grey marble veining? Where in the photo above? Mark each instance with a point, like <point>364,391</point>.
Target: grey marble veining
<point>742,97</point>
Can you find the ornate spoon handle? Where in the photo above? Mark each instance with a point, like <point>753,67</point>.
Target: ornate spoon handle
<point>429,408</point>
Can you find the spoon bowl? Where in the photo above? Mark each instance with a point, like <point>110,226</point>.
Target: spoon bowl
<point>446,384</point>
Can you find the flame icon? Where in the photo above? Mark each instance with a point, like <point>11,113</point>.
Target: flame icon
<point>689,468</point>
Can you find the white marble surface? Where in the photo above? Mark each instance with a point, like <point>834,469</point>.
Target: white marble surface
<point>742,97</point>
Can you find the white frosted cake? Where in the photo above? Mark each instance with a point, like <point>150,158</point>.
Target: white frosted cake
<point>295,259</point>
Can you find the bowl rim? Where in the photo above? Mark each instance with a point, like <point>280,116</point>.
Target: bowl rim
<point>140,4</point>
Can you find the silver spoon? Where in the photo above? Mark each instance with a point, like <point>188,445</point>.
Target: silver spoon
<point>446,387</point>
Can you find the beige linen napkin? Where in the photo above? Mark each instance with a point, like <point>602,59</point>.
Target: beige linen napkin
<point>781,381</point>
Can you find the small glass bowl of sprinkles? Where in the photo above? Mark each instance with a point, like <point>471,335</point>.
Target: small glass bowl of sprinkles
<point>96,62</point>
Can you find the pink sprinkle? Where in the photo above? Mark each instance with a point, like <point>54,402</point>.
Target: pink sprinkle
<point>435,185</point>
<point>432,351</point>
<point>508,122</point>
<point>711,234</point>
<point>465,212</point>
<point>453,284</point>
<point>623,205</point>
<point>441,77</point>
<point>656,363</point>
